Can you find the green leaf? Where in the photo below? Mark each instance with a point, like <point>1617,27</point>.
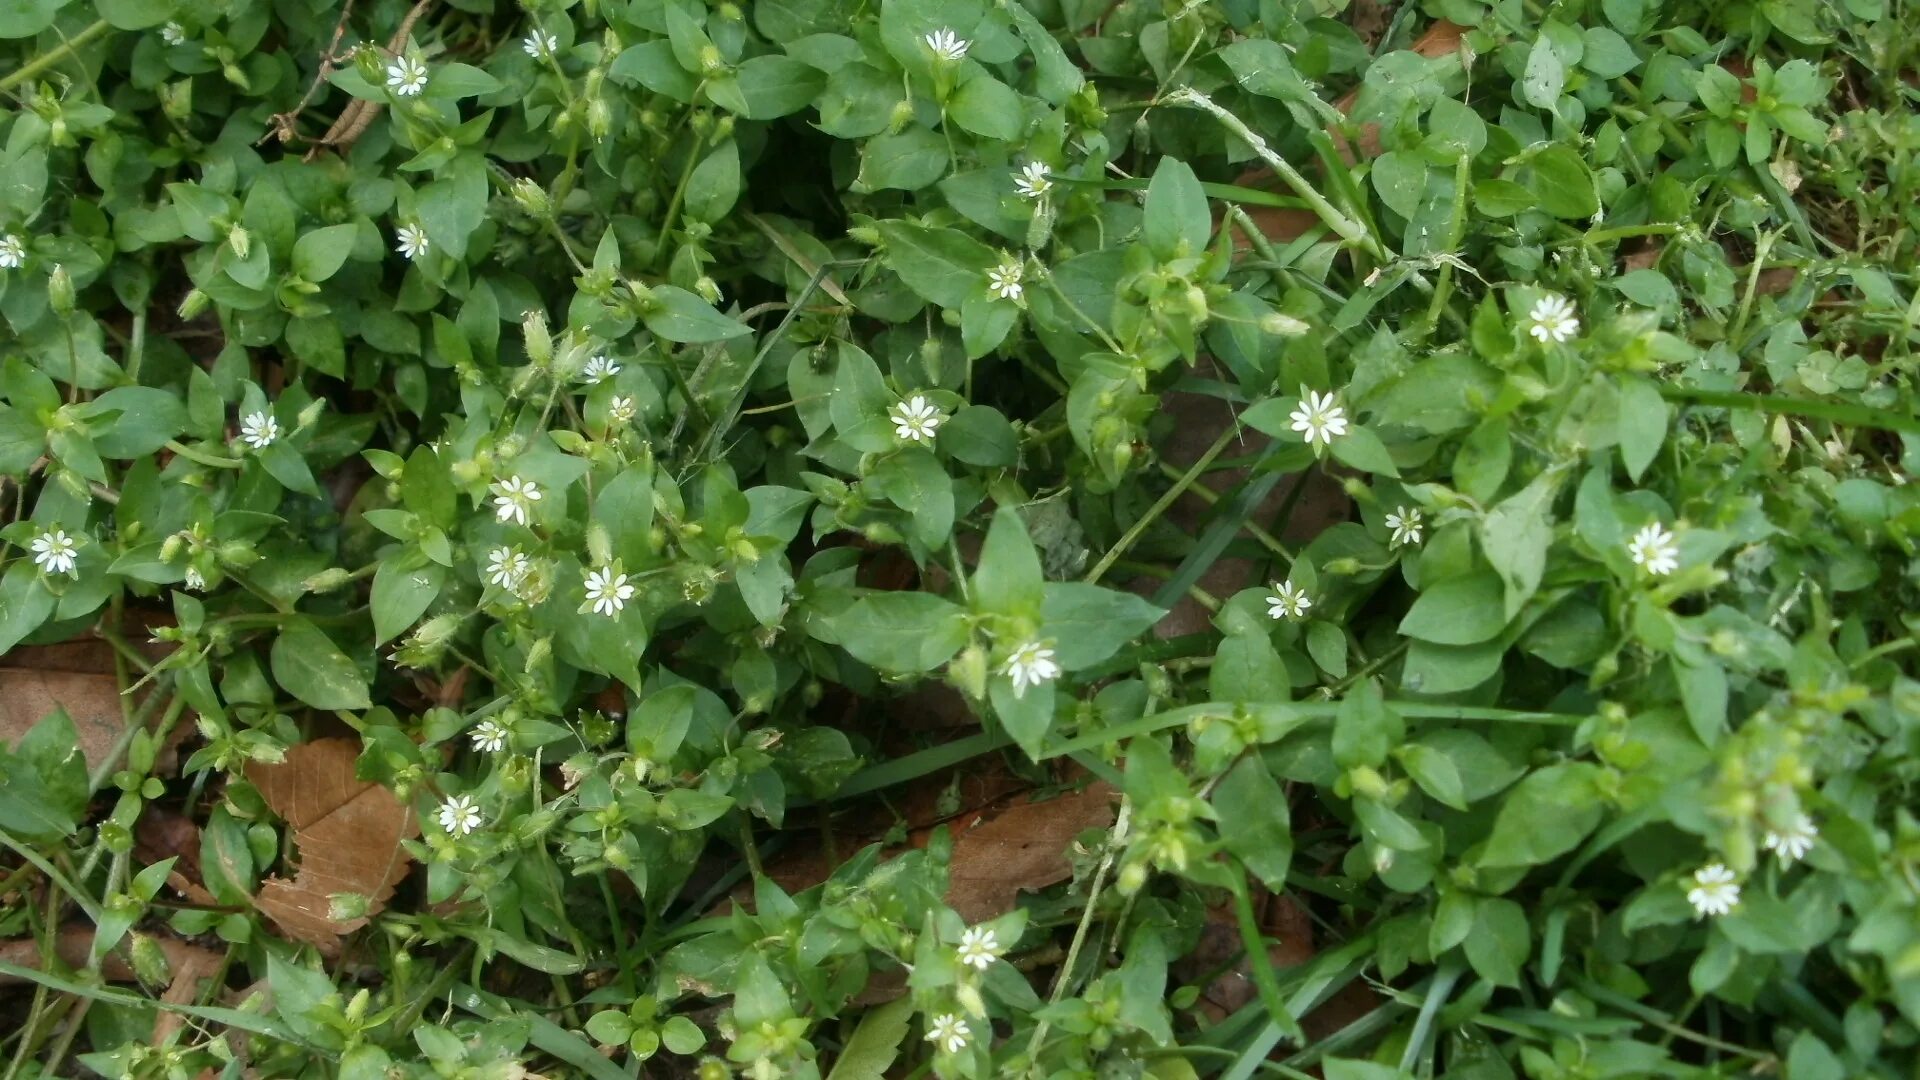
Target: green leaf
<point>908,161</point>
<point>1500,941</point>
<point>1057,78</point>
<point>25,18</point>
<point>307,664</point>
<point>1545,816</point>
<point>875,1043</point>
<point>902,632</point>
<point>1363,450</point>
<point>989,108</point>
<point>625,507</point>
<point>1027,716</point>
<point>678,315</point>
<point>318,255</point>
<point>651,64</point>
<point>943,265</point>
<point>43,780</point>
<point>1464,610</point>
<point>1642,424</point>
<point>1434,772</point>
<point>1562,184</point>
<point>773,86</point>
<point>1515,535</point>
<point>22,441</point>
<point>25,603</point>
<point>1008,580</point>
<point>1400,177</point>
<point>1262,839</point>
<point>1545,76</point>
<point>715,184</point>
<point>1088,624</point>
<point>980,435</point>
<point>1365,727</point>
<point>135,14</point>
<point>402,592</point>
<point>914,480</point>
<point>1177,220</point>
<point>147,418</point>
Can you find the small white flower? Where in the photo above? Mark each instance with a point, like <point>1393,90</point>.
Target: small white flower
<point>512,497</point>
<point>1552,319</point>
<point>173,34</point>
<point>915,419</point>
<point>978,948</point>
<point>1288,602</point>
<point>1653,548</point>
<point>412,241</point>
<point>1318,418</point>
<point>1405,523</point>
<point>506,567</point>
<point>55,552</point>
<point>259,429</point>
<point>947,45</point>
<point>1792,843</point>
<point>620,410</point>
<point>539,44</point>
<point>13,252</point>
<point>599,368</point>
<point>406,76</point>
<point>1030,665</point>
<point>1032,181</point>
<point>196,580</point>
<point>1003,281</point>
<point>607,591</point>
<point>489,737</point>
<point>460,816</point>
<point>948,1032</point>
<point>1714,891</point>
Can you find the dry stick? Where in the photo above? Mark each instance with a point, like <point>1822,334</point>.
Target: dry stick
<point>284,123</point>
<point>359,113</point>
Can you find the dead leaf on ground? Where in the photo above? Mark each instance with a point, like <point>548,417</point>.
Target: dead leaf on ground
<point>1025,847</point>
<point>77,676</point>
<point>347,835</point>
<point>74,944</point>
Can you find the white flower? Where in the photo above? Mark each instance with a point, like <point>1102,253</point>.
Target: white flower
<point>1792,843</point>
<point>978,948</point>
<point>1405,523</point>
<point>511,498</point>
<point>1317,417</point>
<point>506,567</point>
<point>948,1032</point>
<point>1030,665</point>
<point>412,241</point>
<point>1003,281</point>
<point>1714,891</point>
<point>13,252</point>
<point>259,429</point>
<point>607,591</point>
<point>196,580</point>
<point>915,419</point>
<point>54,552</point>
<point>173,34</point>
<point>597,369</point>
<point>460,816</point>
<point>1032,180</point>
<point>489,737</point>
<point>1288,602</point>
<point>947,45</point>
<point>1653,548</point>
<point>620,410</point>
<point>539,44</point>
<point>1552,319</point>
<point>406,76</point>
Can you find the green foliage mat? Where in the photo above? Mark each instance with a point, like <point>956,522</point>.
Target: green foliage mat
<point>580,461</point>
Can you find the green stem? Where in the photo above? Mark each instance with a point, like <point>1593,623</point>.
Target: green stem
<point>1115,839</point>
<point>202,457</point>
<point>1133,534</point>
<point>1262,964</point>
<point>60,52</point>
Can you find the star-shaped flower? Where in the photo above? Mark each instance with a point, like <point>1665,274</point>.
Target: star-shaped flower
<point>1715,890</point>
<point>1552,319</point>
<point>489,736</point>
<point>539,44</point>
<point>608,590</point>
<point>948,1032</point>
<point>173,34</point>
<point>406,76</point>
<point>1792,843</point>
<point>460,816</point>
<point>915,419</point>
<point>513,497</point>
<point>978,948</point>
<point>1003,281</point>
<point>1653,548</point>
<point>598,369</point>
<point>1288,602</point>
<point>1030,665</point>
<point>56,552</point>
<point>259,429</point>
<point>506,567</point>
<point>620,410</point>
<point>1405,523</point>
<point>13,252</point>
<point>1033,180</point>
<point>1318,418</point>
<point>411,241</point>
<point>947,45</point>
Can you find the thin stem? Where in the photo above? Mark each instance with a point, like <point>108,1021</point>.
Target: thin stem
<point>1133,534</point>
<point>1115,839</point>
<point>60,52</point>
<point>195,454</point>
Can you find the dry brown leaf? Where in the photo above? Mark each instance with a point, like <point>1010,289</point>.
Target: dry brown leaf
<point>1024,847</point>
<point>347,833</point>
<point>74,944</point>
<point>77,676</point>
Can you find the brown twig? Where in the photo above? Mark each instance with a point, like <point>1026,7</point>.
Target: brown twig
<point>360,113</point>
<point>284,124</point>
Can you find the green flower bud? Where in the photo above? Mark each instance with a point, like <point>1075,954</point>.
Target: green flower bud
<point>532,197</point>
<point>599,119</point>
<point>533,327</point>
<point>150,961</point>
<point>60,291</point>
<point>346,907</point>
<point>1283,325</point>
<point>238,554</point>
<point>239,241</point>
<point>193,304</point>
<point>327,580</point>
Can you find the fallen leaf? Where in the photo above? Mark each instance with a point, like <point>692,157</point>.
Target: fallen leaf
<point>347,833</point>
<point>1023,847</point>
<point>74,945</point>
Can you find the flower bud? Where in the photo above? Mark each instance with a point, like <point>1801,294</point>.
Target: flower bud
<point>599,544</point>
<point>708,289</point>
<point>599,119</point>
<point>533,327</point>
<point>1283,325</point>
<point>310,415</point>
<point>238,554</point>
<point>60,291</point>
<point>346,907</point>
<point>326,580</point>
<point>193,304</point>
<point>150,961</point>
<point>239,241</point>
<point>532,197</point>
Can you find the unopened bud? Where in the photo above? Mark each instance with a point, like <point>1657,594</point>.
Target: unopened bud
<point>238,554</point>
<point>599,119</point>
<point>346,907</point>
<point>326,580</point>
<point>599,545</point>
<point>150,961</point>
<point>60,291</point>
<point>240,241</point>
<point>193,304</point>
<point>1283,325</point>
<point>531,197</point>
<point>708,289</point>
<point>533,327</point>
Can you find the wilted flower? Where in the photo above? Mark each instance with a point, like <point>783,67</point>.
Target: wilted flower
<point>1653,548</point>
<point>173,34</point>
<point>1288,602</point>
<point>196,581</point>
<point>1552,319</point>
<point>406,76</point>
<point>1030,665</point>
<point>1714,892</point>
<point>1318,418</point>
<point>915,419</point>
